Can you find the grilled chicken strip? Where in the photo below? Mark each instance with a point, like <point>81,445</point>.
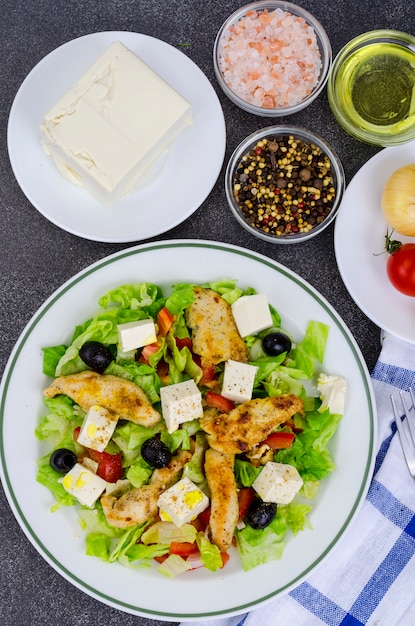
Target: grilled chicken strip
<point>111,392</point>
<point>223,497</point>
<point>215,337</point>
<point>249,423</point>
<point>138,505</point>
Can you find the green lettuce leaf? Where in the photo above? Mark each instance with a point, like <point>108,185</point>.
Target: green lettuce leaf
<point>133,296</point>
<point>245,472</point>
<point>209,553</point>
<point>260,546</point>
<point>166,532</point>
<point>128,539</point>
<point>173,566</point>
<point>311,348</point>
<point>51,358</point>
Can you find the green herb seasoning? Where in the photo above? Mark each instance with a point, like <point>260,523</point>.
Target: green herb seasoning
<point>284,185</point>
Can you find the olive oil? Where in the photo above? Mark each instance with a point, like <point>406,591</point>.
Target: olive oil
<point>377,91</point>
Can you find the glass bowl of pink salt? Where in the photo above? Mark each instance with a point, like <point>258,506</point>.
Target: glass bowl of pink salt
<point>284,184</point>
<point>272,58</point>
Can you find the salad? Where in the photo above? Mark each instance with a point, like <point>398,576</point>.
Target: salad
<point>231,459</point>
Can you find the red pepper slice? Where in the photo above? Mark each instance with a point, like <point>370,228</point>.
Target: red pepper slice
<point>280,440</point>
<point>207,375</point>
<point>183,548</point>
<point>164,321</point>
<point>184,342</point>
<point>217,401</point>
<point>208,371</point>
<point>245,498</point>
<point>161,559</point>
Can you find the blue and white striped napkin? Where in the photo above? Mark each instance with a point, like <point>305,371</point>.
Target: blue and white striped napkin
<point>369,578</point>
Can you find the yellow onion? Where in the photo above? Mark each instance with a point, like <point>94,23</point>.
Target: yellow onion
<point>398,200</point>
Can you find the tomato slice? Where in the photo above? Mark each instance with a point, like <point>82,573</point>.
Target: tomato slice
<point>225,558</point>
<point>164,321</point>
<point>219,402</point>
<point>280,440</point>
<point>245,498</point>
<point>109,465</point>
<point>183,548</point>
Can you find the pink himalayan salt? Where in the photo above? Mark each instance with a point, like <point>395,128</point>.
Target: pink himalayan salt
<point>270,59</point>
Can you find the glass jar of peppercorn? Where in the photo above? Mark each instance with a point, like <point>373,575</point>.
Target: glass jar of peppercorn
<point>284,184</point>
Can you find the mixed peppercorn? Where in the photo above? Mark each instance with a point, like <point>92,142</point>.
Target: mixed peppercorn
<point>284,185</point>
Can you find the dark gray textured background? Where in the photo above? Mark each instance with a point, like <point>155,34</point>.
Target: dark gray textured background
<point>36,257</point>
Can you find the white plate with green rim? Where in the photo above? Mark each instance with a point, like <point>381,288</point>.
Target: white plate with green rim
<point>199,594</point>
<point>170,196</point>
<point>359,242</point>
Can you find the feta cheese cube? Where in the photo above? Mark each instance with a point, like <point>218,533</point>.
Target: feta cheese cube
<point>132,335</point>
<point>83,484</point>
<point>180,403</point>
<point>97,428</point>
<point>251,314</point>
<point>238,381</point>
<point>332,389</point>
<point>182,503</point>
<point>278,483</point>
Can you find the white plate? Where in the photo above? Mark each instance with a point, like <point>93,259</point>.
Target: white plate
<point>185,176</point>
<point>199,594</point>
<point>359,239</point>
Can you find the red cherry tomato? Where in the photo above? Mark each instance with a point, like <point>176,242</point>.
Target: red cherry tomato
<point>400,266</point>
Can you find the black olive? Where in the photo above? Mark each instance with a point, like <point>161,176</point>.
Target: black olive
<point>155,452</point>
<point>62,460</point>
<point>261,514</point>
<point>276,343</point>
<point>96,356</point>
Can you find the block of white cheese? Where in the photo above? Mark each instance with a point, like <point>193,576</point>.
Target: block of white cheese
<point>132,335</point>
<point>278,483</point>
<point>113,124</point>
<point>251,314</point>
<point>182,503</point>
<point>332,389</point>
<point>83,484</point>
<point>97,428</point>
<point>238,381</point>
<point>181,402</point>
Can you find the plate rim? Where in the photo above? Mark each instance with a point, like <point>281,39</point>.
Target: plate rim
<point>160,226</point>
<point>177,243</point>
